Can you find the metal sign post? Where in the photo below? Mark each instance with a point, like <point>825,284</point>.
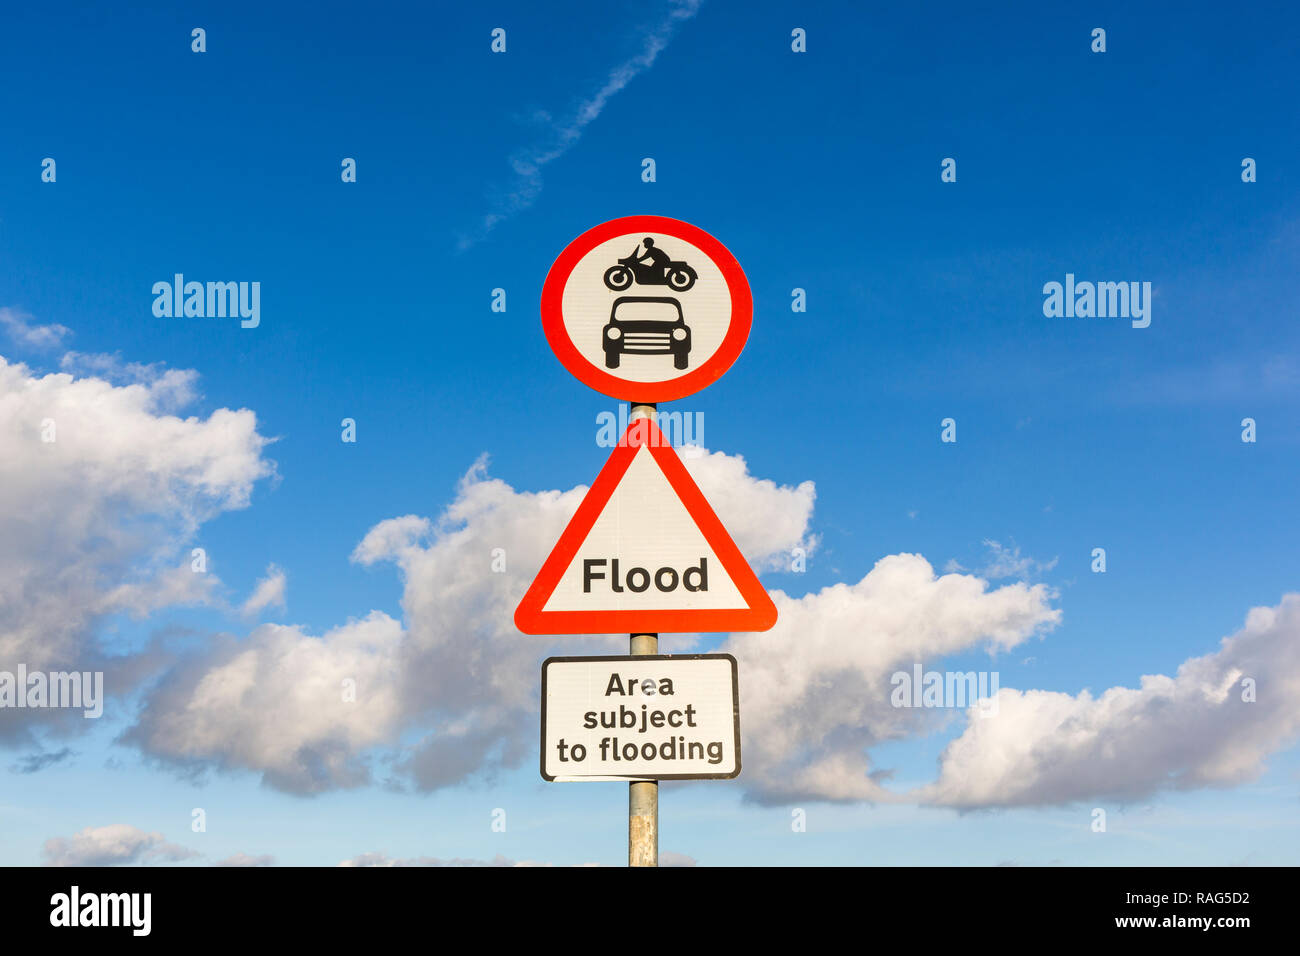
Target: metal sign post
<point>643,795</point>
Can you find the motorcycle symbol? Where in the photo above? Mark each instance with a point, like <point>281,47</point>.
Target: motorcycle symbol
<point>653,267</point>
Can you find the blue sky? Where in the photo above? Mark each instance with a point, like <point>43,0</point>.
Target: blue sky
<point>818,170</point>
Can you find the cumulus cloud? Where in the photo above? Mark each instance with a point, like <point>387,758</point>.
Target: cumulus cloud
<point>767,520</point>
<point>97,518</point>
<point>112,845</point>
<point>301,710</point>
<point>457,683</point>
<point>1195,729</point>
<point>268,593</point>
<point>177,586</point>
<point>100,486</point>
<point>816,688</point>
<point>456,674</point>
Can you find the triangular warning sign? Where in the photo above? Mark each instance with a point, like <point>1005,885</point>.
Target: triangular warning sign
<point>644,554</point>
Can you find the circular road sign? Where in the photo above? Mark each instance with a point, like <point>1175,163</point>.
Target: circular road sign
<point>646,308</point>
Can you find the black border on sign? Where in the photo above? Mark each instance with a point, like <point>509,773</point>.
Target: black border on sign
<point>735,713</point>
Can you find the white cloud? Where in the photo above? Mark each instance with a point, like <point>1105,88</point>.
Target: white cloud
<point>100,517</point>
<point>815,689</point>
<point>457,672</point>
<point>111,845</point>
<point>94,520</point>
<point>18,328</point>
<point>268,593</point>
<point>766,520</point>
<point>396,535</point>
<point>1187,731</point>
<point>170,388</point>
<point>527,163</point>
<point>277,703</point>
<point>159,588</point>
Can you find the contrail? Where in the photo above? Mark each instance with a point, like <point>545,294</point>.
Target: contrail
<point>527,163</point>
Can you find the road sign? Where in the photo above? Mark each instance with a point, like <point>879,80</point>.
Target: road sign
<point>644,553</point>
<point>657,717</point>
<point>646,308</point>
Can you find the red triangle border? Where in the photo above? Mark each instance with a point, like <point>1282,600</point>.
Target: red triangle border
<point>760,614</point>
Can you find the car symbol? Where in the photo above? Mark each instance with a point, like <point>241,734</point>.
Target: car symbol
<point>646,325</point>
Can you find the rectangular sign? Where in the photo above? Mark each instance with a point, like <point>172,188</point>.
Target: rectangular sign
<point>658,717</point>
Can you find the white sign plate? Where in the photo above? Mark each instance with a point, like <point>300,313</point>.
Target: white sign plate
<point>658,717</point>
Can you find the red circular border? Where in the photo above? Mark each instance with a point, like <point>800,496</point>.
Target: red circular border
<point>742,311</point>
